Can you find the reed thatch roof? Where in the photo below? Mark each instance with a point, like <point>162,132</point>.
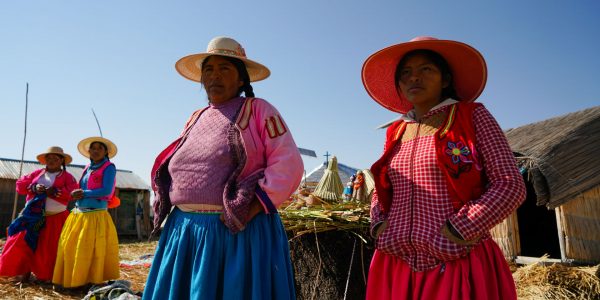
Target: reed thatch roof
<point>561,155</point>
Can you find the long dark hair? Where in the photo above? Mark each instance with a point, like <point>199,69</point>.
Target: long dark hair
<point>439,62</point>
<point>242,71</point>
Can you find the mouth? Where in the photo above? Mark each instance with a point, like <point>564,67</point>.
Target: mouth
<point>415,89</point>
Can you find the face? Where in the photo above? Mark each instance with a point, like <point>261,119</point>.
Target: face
<point>54,161</point>
<point>97,151</point>
<point>421,81</point>
<point>220,79</point>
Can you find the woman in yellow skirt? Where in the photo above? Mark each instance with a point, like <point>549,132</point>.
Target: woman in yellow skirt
<point>88,249</point>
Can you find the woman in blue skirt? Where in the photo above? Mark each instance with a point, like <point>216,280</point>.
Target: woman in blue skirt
<point>220,183</point>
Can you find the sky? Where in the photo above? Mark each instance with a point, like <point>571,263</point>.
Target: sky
<point>117,58</point>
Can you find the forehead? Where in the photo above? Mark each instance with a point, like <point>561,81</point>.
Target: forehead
<point>417,59</point>
<point>52,155</point>
<point>97,145</point>
<point>216,60</point>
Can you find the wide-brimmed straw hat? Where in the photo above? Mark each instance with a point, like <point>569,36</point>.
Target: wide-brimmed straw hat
<point>190,66</point>
<point>84,146</point>
<point>469,71</point>
<point>54,150</point>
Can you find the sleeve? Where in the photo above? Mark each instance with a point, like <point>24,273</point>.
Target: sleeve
<point>64,191</point>
<point>284,167</point>
<point>23,185</point>
<point>377,216</point>
<point>506,188</point>
<point>108,182</point>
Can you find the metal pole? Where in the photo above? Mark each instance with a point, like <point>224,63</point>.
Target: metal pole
<point>14,212</point>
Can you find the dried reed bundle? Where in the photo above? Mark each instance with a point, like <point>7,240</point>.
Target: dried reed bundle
<point>556,281</point>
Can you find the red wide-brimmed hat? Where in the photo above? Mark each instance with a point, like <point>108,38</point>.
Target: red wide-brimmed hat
<point>469,71</point>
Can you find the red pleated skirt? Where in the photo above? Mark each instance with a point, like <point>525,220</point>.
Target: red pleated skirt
<point>483,274</point>
<point>18,259</point>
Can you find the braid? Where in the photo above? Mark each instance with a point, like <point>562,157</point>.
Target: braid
<point>247,88</point>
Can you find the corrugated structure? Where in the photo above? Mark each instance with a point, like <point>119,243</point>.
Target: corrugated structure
<point>130,188</point>
<point>561,166</point>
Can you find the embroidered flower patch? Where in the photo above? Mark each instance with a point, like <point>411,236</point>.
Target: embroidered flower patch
<point>459,152</point>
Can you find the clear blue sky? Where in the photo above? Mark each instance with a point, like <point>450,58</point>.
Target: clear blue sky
<point>118,58</point>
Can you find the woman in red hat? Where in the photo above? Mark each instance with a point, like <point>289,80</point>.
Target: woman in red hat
<point>446,177</point>
<point>33,236</point>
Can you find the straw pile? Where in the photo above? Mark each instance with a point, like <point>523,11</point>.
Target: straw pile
<point>351,216</point>
<point>556,281</point>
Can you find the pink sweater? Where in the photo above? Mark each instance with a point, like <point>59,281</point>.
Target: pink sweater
<point>203,163</point>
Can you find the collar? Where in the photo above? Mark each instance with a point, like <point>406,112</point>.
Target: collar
<point>94,166</point>
<point>411,117</point>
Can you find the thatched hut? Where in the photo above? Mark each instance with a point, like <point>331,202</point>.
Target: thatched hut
<point>130,188</point>
<point>561,166</point>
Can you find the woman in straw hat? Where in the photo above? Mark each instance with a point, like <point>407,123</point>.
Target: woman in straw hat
<point>33,236</point>
<point>447,176</point>
<point>88,250</point>
<point>226,174</point>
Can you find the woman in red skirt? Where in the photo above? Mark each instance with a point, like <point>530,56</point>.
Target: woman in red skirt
<point>446,177</point>
<point>33,236</point>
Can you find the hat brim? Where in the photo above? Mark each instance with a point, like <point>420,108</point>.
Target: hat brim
<point>42,157</point>
<point>84,146</point>
<point>189,67</point>
<point>468,68</point>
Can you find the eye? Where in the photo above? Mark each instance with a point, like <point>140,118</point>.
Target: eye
<point>404,73</point>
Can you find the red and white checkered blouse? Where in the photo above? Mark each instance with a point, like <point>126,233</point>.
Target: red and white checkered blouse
<point>421,203</point>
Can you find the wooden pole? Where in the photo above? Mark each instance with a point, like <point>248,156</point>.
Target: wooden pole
<point>14,212</point>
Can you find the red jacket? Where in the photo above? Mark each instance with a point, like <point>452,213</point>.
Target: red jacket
<point>64,184</point>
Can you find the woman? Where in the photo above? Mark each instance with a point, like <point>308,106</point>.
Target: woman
<point>234,163</point>
<point>88,250</point>
<point>447,176</point>
<point>33,236</point>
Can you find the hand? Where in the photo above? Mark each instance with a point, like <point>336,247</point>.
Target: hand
<point>40,188</point>
<point>254,209</point>
<point>380,228</point>
<point>452,235</point>
<point>77,194</point>
<point>52,192</point>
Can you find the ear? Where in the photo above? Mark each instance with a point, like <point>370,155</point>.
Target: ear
<point>240,83</point>
<point>446,81</point>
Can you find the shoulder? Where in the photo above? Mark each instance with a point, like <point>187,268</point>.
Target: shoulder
<point>261,105</point>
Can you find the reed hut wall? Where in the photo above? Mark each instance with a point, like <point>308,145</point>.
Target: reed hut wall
<point>580,222</point>
<point>506,235</point>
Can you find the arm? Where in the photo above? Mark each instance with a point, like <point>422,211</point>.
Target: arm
<point>506,189</point>
<point>108,182</point>
<point>284,167</point>
<point>23,185</point>
<point>69,184</point>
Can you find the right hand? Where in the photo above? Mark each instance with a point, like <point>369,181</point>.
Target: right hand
<point>40,188</point>
<point>77,194</point>
<point>380,228</point>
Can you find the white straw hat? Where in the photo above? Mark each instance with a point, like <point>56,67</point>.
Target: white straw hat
<point>190,66</point>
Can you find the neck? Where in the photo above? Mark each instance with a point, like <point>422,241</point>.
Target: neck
<point>422,109</point>
<point>52,170</point>
<point>97,161</point>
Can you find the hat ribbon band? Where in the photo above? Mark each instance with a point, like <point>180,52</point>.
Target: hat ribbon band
<point>227,52</point>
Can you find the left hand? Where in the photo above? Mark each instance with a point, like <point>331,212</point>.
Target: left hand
<point>254,209</point>
<point>447,232</point>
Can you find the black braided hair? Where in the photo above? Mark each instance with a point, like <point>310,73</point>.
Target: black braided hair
<point>438,61</point>
<point>243,73</point>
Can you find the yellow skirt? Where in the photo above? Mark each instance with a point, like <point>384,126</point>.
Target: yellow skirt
<point>88,250</point>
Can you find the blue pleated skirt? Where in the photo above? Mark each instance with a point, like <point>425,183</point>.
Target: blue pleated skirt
<point>198,258</point>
